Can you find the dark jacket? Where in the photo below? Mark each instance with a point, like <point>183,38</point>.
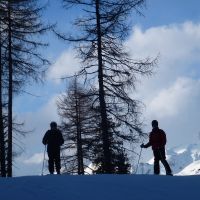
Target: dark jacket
<point>157,139</point>
<point>53,139</point>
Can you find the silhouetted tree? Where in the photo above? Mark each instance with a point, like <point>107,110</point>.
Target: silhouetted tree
<point>103,29</point>
<point>2,136</point>
<point>119,162</point>
<point>78,126</point>
<point>23,62</point>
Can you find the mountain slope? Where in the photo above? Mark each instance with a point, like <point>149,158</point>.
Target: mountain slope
<point>184,160</point>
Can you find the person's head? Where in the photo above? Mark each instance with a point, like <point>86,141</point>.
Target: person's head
<point>154,124</point>
<point>53,125</point>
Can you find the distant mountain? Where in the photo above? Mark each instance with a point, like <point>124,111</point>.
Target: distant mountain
<point>184,160</point>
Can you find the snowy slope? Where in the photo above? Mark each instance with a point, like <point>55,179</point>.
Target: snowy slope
<point>100,187</point>
<point>192,169</point>
<point>184,160</point>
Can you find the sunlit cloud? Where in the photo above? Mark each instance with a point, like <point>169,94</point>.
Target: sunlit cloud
<point>169,102</point>
<point>66,65</point>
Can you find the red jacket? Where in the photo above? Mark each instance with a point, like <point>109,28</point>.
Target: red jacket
<point>157,139</point>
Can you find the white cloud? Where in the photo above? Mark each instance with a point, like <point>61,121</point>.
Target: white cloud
<point>170,101</point>
<point>39,119</point>
<point>66,65</point>
<point>35,159</point>
<point>173,42</point>
<point>179,49</point>
<point>172,94</point>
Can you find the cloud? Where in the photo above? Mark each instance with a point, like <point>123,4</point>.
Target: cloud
<point>178,66</point>
<point>35,159</point>
<point>37,120</point>
<point>178,48</point>
<point>66,65</point>
<point>169,102</point>
<point>171,95</point>
<point>173,42</point>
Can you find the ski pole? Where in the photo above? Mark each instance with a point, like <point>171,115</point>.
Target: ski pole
<point>139,157</point>
<point>63,156</point>
<point>43,160</point>
<point>138,160</point>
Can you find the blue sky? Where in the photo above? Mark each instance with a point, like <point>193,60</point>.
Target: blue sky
<point>170,29</point>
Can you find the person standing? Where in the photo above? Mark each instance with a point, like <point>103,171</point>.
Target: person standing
<point>53,139</point>
<point>157,140</point>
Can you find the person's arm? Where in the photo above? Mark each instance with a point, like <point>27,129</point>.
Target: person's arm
<point>164,139</point>
<point>147,144</point>
<point>61,139</point>
<point>45,138</point>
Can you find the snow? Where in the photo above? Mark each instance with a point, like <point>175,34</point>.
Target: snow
<point>184,161</point>
<point>100,187</point>
<point>193,168</point>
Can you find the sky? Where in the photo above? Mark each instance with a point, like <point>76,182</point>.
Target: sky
<point>170,30</point>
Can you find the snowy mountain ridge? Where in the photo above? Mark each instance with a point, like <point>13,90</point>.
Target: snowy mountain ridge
<point>183,159</point>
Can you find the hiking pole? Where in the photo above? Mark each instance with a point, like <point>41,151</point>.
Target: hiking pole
<point>43,160</point>
<point>138,160</point>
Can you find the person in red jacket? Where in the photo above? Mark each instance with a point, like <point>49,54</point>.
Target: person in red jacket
<point>157,140</point>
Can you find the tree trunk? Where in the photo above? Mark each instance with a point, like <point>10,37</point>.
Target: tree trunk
<point>104,123</point>
<point>2,139</point>
<point>10,93</point>
<point>79,139</point>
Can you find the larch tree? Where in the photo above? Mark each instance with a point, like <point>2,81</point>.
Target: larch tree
<point>78,125</point>
<point>103,28</point>
<point>2,135</point>
<point>23,63</point>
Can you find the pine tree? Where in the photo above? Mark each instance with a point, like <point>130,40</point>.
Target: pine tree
<point>119,162</point>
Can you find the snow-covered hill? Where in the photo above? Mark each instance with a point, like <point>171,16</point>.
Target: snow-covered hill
<point>98,187</point>
<point>184,160</point>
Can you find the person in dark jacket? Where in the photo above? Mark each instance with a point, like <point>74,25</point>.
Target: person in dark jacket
<point>157,140</point>
<point>53,139</point>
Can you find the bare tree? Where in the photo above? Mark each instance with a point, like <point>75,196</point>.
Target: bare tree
<point>78,126</point>
<point>2,136</point>
<point>103,28</point>
<point>23,62</point>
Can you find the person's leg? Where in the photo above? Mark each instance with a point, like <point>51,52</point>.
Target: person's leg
<point>167,167</point>
<point>57,162</point>
<point>156,162</point>
<point>156,167</point>
<point>164,162</point>
<point>51,162</point>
